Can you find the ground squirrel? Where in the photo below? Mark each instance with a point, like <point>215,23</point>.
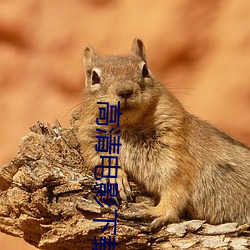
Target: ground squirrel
<point>192,167</point>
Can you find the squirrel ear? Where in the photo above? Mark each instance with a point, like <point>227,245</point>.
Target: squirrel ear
<point>89,57</point>
<point>138,49</point>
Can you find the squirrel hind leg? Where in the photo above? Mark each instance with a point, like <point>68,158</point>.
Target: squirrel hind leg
<point>163,213</point>
<point>163,220</point>
<point>168,210</point>
<point>160,215</point>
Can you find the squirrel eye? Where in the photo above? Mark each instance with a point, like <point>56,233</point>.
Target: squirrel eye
<point>145,72</point>
<point>95,78</point>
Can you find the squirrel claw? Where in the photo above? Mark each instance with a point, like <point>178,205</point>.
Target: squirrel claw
<point>115,199</point>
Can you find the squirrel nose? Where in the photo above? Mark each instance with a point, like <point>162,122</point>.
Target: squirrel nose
<point>124,93</point>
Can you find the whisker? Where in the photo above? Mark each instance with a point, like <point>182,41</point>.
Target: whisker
<point>71,109</point>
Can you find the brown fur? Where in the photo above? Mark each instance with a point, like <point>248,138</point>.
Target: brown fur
<point>191,166</point>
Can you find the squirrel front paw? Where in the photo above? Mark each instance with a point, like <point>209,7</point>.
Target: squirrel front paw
<point>123,186</point>
<point>124,189</point>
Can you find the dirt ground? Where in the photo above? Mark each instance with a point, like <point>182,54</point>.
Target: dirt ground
<point>200,49</point>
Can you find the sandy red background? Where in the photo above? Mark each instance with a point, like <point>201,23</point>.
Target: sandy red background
<point>200,49</point>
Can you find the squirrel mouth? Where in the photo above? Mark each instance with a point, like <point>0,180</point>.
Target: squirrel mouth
<point>126,104</point>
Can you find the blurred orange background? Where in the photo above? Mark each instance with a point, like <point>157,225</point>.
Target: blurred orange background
<point>200,49</point>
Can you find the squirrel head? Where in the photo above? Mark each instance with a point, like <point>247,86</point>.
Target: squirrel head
<point>120,78</point>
